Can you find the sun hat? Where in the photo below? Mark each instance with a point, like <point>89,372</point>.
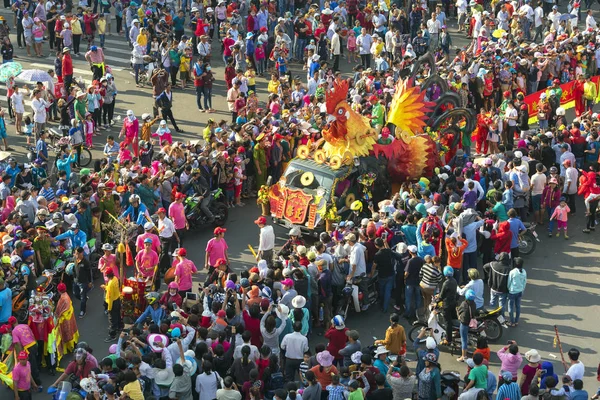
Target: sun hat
<point>532,356</point>
<point>164,377</point>
<point>190,363</point>
<point>157,338</point>
<point>355,357</point>
<point>324,358</point>
<point>282,311</point>
<point>299,301</point>
<point>381,350</point>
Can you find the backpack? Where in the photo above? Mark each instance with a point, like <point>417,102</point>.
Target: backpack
<point>277,380</point>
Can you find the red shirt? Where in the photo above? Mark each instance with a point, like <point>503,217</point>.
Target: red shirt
<point>253,325</point>
<point>337,341</point>
<point>67,65</point>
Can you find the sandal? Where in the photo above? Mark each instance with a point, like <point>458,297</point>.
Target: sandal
<point>444,343</point>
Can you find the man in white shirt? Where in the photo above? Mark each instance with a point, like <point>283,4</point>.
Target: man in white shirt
<point>364,42</point>
<point>590,22</point>
<point>358,265</point>
<point>577,369</point>
<point>538,183</point>
<point>554,16</point>
<point>526,13</point>
<point>336,48</point>
<point>39,111</point>
<point>295,345</point>
<point>461,9</point>
<point>433,26</point>
<point>166,231</point>
<point>266,241</point>
<point>538,22</point>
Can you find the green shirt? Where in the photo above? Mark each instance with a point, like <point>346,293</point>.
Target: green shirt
<point>491,196</point>
<point>80,109</point>
<point>479,375</point>
<point>377,114</point>
<point>500,211</point>
<point>43,247</point>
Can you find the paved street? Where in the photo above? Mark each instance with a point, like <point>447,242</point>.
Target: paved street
<point>563,275</point>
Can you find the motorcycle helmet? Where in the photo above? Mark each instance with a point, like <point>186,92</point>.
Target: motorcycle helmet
<point>431,357</point>
<point>14,260</point>
<point>338,322</point>
<point>553,170</point>
<point>5,260</point>
<point>356,206</point>
<point>56,217</point>
<point>174,285</point>
<point>470,294</point>
<point>295,231</point>
<point>109,76</point>
<point>134,197</point>
<point>70,268</point>
<point>152,297</point>
<point>448,271</point>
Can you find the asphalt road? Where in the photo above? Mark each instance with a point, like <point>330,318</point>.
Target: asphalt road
<point>563,275</point>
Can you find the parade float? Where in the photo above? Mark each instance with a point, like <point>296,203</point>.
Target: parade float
<point>349,163</point>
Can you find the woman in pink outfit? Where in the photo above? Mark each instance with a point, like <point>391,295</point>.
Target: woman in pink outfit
<point>130,130</point>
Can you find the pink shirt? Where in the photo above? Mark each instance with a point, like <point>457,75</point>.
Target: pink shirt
<point>107,263</point>
<point>561,214</point>
<point>131,128</point>
<point>177,215</point>
<point>216,249</point>
<point>21,375</point>
<point>147,260</point>
<point>183,273</point>
<point>139,243</point>
<point>22,334</point>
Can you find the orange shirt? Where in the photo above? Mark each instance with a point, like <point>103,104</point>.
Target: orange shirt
<point>324,377</point>
<point>455,253</point>
<point>484,352</point>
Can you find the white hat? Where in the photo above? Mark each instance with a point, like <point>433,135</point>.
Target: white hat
<point>518,154</point>
<point>432,210</point>
<point>430,343</point>
<point>135,21</point>
<point>381,350</point>
<point>443,176</point>
<point>533,356</point>
<point>70,219</point>
<point>148,225</point>
<point>164,377</point>
<point>364,221</point>
<point>107,246</point>
<point>412,248</point>
<point>299,301</point>
<point>282,310</point>
<point>209,10</point>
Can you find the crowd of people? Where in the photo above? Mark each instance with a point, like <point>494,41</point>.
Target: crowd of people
<point>450,238</point>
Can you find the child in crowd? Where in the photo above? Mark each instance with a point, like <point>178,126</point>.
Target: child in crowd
<point>561,215</point>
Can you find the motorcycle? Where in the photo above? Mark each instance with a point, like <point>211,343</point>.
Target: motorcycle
<point>353,293</point>
<point>528,240</point>
<point>196,217</point>
<point>489,325</point>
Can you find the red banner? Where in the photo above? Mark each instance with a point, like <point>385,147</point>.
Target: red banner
<point>566,100</point>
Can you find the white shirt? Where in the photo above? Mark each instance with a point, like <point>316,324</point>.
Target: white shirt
<point>267,239</point>
<point>538,182</point>
<point>364,43</point>
<point>538,17</point>
<point>357,257</point>
<point>571,175</point>
<point>590,22</point>
<point>555,18</point>
<point>433,26</point>
<point>461,6</point>
<point>294,344</point>
<point>166,228</point>
<point>39,110</point>
<point>576,371</point>
<point>527,11</point>
<point>254,353</point>
<point>335,44</point>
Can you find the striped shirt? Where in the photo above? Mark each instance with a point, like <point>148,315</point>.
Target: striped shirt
<point>48,193</point>
<point>509,391</point>
<point>335,392</point>
<point>430,275</point>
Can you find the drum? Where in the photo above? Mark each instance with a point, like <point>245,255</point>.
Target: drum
<point>138,287</point>
<point>127,293</point>
<point>170,275</point>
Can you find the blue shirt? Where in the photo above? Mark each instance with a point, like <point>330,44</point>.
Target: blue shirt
<point>470,232</point>
<point>140,218</point>
<point>41,148</point>
<point>78,239</point>
<point>516,226</point>
<point>507,199</point>
<point>156,315</point>
<point>5,304</point>
<point>410,234</point>
<point>64,164</point>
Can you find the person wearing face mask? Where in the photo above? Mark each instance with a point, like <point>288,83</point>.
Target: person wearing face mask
<point>171,296</point>
<point>131,130</point>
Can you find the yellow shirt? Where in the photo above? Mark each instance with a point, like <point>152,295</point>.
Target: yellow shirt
<point>589,91</point>
<point>76,27</point>
<point>142,40</point>
<point>273,86</point>
<point>112,293</point>
<point>96,224</point>
<point>251,78</point>
<point>185,64</point>
<point>101,26</point>
<point>134,390</point>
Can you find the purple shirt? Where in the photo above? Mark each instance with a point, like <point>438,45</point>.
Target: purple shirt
<point>470,198</point>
